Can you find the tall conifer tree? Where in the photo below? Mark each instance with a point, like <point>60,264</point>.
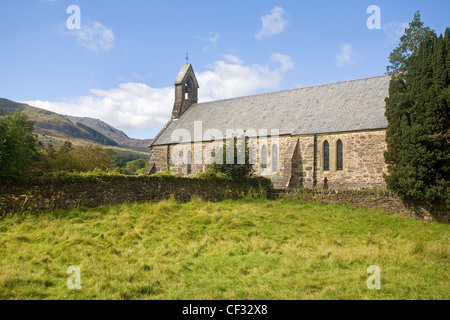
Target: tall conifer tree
<point>418,113</point>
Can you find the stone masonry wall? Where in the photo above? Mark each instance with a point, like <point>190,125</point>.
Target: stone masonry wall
<point>300,160</point>
<point>62,193</point>
<point>363,160</point>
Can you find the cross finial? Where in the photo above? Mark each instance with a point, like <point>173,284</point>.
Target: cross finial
<point>187,58</point>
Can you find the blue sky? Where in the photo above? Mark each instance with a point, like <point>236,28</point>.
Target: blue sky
<point>121,65</point>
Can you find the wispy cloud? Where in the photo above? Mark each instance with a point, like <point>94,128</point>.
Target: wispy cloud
<point>212,39</point>
<point>95,36</point>
<point>285,60</point>
<point>134,105</point>
<point>273,23</point>
<point>345,56</point>
<point>394,30</point>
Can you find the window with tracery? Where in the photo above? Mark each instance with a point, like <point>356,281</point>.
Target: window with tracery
<point>189,162</point>
<point>326,156</point>
<point>340,156</point>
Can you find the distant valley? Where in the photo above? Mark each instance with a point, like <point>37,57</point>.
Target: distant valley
<point>54,128</point>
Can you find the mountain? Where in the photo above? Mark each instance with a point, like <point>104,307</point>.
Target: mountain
<point>50,124</point>
<point>117,135</point>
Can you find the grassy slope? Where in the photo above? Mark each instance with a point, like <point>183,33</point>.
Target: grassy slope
<point>125,151</point>
<point>117,135</point>
<point>227,250</point>
<point>51,127</point>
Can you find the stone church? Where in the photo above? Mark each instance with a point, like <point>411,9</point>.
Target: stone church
<point>332,134</point>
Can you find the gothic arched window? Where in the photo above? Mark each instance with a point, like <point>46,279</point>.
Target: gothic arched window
<point>264,158</point>
<point>340,156</point>
<point>189,162</point>
<point>326,156</point>
<point>274,158</point>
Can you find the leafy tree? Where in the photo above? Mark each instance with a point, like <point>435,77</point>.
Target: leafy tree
<point>18,145</point>
<point>234,170</point>
<point>418,133</point>
<point>51,151</point>
<point>136,167</point>
<point>409,43</point>
<point>66,147</point>
<point>83,159</point>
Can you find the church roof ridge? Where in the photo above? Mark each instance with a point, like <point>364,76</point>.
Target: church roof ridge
<point>294,89</point>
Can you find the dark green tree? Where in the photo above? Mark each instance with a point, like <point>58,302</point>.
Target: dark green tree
<point>18,145</point>
<point>409,43</point>
<point>418,114</point>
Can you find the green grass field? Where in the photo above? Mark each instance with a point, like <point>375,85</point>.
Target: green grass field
<point>259,249</point>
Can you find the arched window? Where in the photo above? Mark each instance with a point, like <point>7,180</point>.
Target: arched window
<point>189,162</point>
<point>188,89</point>
<point>326,156</point>
<point>264,158</point>
<point>340,156</point>
<point>274,158</point>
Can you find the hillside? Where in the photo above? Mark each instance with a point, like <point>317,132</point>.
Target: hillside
<point>117,135</point>
<point>53,126</point>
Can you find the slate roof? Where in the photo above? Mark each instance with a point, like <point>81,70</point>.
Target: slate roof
<point>352,105</point>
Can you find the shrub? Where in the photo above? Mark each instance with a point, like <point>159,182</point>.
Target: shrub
<point>235,171</point>
<point>83,159</point>
<point>18,145</point>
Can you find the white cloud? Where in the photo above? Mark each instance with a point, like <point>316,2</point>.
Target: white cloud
<point>138,106</point>
<point>286,61</point>
<point>131,105</point>
<point>346,56</point>
<point>272,23</point>
<point>394,30</point>
<point>95,36</point>
<point>230,78</point>
<point>212,40</point>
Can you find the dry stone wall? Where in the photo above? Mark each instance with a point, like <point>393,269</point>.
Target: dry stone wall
<point>61,193</point>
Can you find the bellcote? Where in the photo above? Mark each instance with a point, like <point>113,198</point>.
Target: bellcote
<point>186,91</point>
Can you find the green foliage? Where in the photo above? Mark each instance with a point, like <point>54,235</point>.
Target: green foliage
<point>83,159</point>
<point>232,169</point>
<point>409,43</point>
<point>66,147</point>
<point>418,133</point>
<point>165,175</point>
<point>135,167</point>
<point>18,145</point>
<point>120,158</point>
<point>213,175</point>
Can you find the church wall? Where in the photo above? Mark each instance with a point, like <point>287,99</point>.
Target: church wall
<point>158,156</point>
<point>300,160</point>
<point>363,161</point>
<point>295,162</point>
